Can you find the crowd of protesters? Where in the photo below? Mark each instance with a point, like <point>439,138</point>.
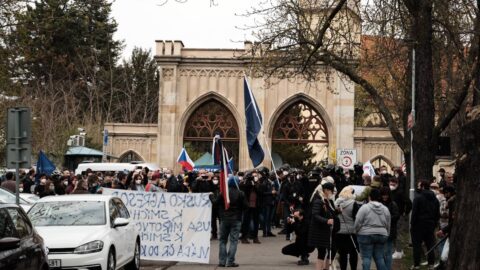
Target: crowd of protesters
<point>319,207</point>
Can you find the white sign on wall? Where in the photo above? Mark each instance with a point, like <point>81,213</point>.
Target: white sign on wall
<point>346,158</point>
<point>171,226</point>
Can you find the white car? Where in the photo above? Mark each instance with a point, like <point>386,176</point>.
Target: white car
<point>7,197</point>
<point>87,232</point>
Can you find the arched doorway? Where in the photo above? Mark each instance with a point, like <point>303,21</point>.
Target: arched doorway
<point>380,161</point>
<point>300,137</point>
<point>209,119</point>
<point>129,156</point>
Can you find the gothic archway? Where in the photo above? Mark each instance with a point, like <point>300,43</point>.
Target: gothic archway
<point>130,156</point>
<point>300,136</point>
<point>380,160</point>
<point>209,119</point>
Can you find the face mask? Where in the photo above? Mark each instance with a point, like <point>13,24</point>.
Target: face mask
<point>94,184</point>
<point>255,178</point>
<point>347,175</point>
<point>52,188</point>
<point>20,189</point>
<point>43,181</point>
<point>215,182</point>
<point>185,183</point>
<point>138,182</point>
<point>299,177</point>
<point>240,178</point>
<point>383,172</point>
<point>285,173</point>
<point>397,175</point>
<point>393,187</point>
<point>65,183</point>
<point>331,197</point>
<point>169,175</point>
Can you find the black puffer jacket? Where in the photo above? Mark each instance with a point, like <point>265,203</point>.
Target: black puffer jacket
<point>319,230</point>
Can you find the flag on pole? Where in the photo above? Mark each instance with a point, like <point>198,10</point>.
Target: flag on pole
<point>220,157</point>
<point>368,169</point>
<point>44,166</point>
<point>185,160</point>
<point>253,119</point>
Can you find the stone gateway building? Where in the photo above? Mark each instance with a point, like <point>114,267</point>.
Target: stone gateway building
<point>201,94</point>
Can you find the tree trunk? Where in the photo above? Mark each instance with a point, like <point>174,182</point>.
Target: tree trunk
<point>424,143</point>
<point>465,239</point>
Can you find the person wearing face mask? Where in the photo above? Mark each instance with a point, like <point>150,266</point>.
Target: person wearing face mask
<point>81,187</point>
<point>299,248</point>
<point>268,192</point>
<point>202,185</point>
<point>93,184</point>
<point>71,185</point>
<point>384,175</point>
<point>251,189</point>
<point>404,207</point>
<point>49,189</point>
<point>324,225</point>
<point>137,183</point>
<point>286,198</point>
<point>394,216</point>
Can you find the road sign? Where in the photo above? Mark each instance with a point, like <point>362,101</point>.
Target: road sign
<point>19,149</point>
<point>346,158</point>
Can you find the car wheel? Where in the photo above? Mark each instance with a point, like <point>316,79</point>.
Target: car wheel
<point>134,264</point>
<point>111,261</point>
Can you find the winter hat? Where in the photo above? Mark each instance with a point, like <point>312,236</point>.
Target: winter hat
<point>328,186</point>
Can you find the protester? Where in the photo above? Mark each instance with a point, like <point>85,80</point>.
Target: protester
<point>323,225</point>
<point>346,239</point>
<point>40,189</point>
<point>81,187</point>
<point>370,184</point>
<point>250,186</point>
<point>230,223</point>
<point>404,205</point>
<point>215,192</point>
<point>425,217</point>
<point>137,183</point>
<point>372,225</point>
<point>394,217</point>
<point>9,183</point>
<point>299,248</point>
<point>268,192</point>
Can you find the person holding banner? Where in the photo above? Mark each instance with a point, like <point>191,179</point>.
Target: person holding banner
<point>230,223</point>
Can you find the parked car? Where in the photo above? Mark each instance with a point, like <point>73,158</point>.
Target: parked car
<point>114,167</point>
<point>8,197</point>
<point>21,247</point>
<point>87,232</point>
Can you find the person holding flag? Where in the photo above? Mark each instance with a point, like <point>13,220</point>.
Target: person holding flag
<point>231,204</point>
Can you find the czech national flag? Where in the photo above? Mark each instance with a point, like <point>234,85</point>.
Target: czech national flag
<point>185,160</point>
<point>220,157</point>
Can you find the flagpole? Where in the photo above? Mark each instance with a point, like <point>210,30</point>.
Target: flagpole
<point>262,128</point>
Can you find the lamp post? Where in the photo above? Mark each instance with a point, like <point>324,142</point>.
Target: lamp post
<point>412,168</point>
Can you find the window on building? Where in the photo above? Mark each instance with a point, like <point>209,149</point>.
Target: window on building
<point>129,157</point>
<point>300,137</point>
<point>209,119</point>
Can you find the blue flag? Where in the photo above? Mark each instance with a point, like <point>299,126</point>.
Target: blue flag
<point>253,118</point>
<point>44,166</point>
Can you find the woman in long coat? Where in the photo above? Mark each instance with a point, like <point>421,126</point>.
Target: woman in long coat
<point>323,225</point>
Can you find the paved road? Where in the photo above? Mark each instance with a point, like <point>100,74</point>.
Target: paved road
<point>266,255</point>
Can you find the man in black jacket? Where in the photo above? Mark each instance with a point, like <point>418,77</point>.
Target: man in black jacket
<point>300,248</point>
<point>424,220</point>
<point>230,222</point>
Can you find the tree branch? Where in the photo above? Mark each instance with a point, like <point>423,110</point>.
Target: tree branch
<point>339,65</point>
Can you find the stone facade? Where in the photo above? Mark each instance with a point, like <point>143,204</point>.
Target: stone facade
<point>190,77</point>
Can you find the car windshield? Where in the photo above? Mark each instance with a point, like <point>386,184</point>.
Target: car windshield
<point>70,213</point>
<point>8,197</point>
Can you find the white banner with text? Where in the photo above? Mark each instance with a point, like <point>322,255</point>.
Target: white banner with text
<point>172,226</point>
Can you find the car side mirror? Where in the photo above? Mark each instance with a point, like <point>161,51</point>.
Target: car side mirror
<point>8,243</point>
<point>119,222</point>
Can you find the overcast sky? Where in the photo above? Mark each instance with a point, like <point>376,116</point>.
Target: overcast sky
<point>196,23</point>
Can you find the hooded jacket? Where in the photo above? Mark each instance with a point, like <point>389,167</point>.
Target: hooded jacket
<point>373,218</point>
<point>347,222</point>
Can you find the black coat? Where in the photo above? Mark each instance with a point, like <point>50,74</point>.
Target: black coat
<point>425,210</point>
<point>300,228</point>
<point>394,216</point>
<point>319,230</point>
<point>265,192</point>
<point>238,204</point>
